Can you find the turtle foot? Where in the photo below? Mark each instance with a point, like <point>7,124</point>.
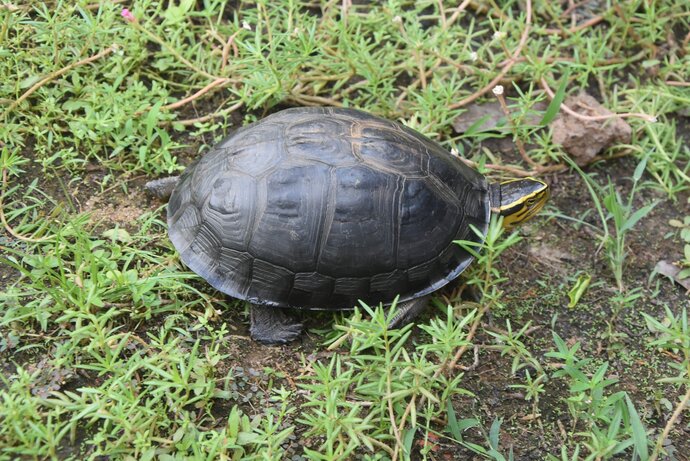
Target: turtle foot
<point>273,326</point>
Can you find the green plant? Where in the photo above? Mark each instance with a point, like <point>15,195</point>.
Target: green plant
<point>612,208</point>
<point>673,335</point>
<point>456,428</point>
<point>684,227</point>
<point>609,422</point>
<point>510,343</point>
<point>357,401</point>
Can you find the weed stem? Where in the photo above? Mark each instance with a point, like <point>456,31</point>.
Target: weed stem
<point>669,424</point>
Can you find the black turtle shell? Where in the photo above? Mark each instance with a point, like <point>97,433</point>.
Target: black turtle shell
<point>321,207</point>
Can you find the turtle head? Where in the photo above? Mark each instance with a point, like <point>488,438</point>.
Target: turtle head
<point>518,200</point>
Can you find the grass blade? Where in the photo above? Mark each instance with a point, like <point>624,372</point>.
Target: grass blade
<point>639,433</point>
<point>558,98</point>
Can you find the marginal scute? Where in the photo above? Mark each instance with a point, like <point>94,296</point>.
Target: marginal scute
<point>313,281</point>
<point>321,207</point>
<point>183,226</point>
<point>351,285</point>
<point>269,280</point>
<point>237,263</point>
<point>390,282</point>
<point>311,289</point>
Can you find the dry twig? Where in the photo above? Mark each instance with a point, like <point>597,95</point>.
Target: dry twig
<point>565,32</point>
<point>197,95</point>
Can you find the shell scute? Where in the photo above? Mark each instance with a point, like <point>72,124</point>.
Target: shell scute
<point>287,230</point>
<point>360,237</point>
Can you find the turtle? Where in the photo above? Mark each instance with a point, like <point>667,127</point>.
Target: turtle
<point>320,208</point>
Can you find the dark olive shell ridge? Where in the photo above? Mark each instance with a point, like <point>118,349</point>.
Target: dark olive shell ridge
<point>321,207</point>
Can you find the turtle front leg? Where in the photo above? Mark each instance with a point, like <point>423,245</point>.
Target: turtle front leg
<point>408,311</point>
<point>162,188</point>
<point>273,326</point>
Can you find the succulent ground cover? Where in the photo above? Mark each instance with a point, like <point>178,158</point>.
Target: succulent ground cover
<point>579,348</point>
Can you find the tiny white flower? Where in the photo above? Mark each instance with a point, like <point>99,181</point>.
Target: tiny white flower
<point>245,25</point>
<point>296,32</point>
<point>498,90</point>
<point>499,35</point>
<point>474,56</point>
<point>397,20</point>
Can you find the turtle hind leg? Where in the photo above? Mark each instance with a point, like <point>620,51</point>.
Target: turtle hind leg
<point>273,326</point>
<point>408,311</point>
<point>162,188</point>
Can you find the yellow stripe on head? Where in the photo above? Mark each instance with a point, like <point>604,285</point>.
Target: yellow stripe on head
<point>521,199</point>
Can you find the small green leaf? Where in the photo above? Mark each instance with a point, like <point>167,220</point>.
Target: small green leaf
<point>118,235</point>
<point>685,234</point>
<point>496,455</point>
<point>176,13</point>
<point>639,433</point>
<point>29,81</point>
<point>477,126</point>
<point>578,289</point>
<point>233,422</point>
<point>408,438</point>
<point>647,63</point>
<point>453,421</point>
<point>494,433</point>
<point>637,215</point>
<point>558,98</point>
<point>639,170</point>
<point>245,438</point>
<point>179,433</point>
<point>75,104</point>
<point>151,120</point>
